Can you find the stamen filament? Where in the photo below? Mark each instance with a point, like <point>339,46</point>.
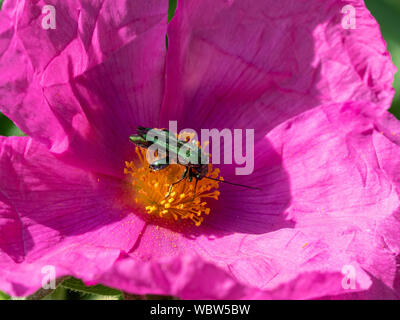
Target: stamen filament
<point>149,189</point>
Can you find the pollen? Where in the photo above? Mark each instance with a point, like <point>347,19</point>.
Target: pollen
<point>149,190</point>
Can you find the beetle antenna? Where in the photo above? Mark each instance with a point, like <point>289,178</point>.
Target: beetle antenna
<point>234,184</point>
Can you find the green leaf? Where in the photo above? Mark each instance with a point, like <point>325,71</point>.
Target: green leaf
<point>387,13</point>
<point>171,9</point>
<point>171,13</point>
<point>59,293</point>
<point>77,285</point>
<point>4,296</point>
<point>7,127</point>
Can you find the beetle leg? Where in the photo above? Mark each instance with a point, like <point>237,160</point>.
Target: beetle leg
<point>157,165</point>
<point>184,175</point>
<point>194,190</point>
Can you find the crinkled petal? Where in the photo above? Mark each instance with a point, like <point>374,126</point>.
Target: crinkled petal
<point>52,214</point>
<point>343,186</point>
<point>333,229</point>
<point>82,87</point>
<point>252,211</point>
<point>241,267</point>
<point>339,191</point>
<point>255,64</point>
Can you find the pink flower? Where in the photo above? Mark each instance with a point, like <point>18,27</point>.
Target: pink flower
<point>326,153</point>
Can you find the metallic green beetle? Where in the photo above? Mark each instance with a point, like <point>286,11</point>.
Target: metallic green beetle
<point>189,155</point>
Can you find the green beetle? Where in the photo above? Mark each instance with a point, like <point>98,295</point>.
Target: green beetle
<point>184,153</point>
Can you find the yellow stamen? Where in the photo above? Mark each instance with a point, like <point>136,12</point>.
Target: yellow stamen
<point>149,190</point>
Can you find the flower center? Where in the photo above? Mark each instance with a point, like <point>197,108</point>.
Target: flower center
<point>150,190</point>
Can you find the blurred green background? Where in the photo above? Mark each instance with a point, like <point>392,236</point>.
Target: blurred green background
<point>387,12</point>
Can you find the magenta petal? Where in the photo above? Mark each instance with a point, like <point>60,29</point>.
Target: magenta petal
<point>53,214</point>
<point>86,84</point>
<point>342,213</point>
<point>330,190</point>
<point>186,276</point>
<point>344,187</point>
<point>236,267</point>
<point>245,210</point>
<point>255,64</point>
